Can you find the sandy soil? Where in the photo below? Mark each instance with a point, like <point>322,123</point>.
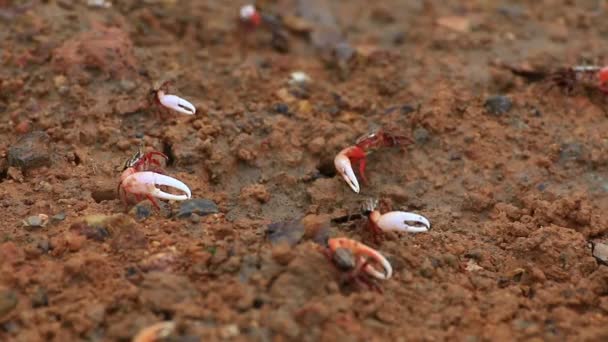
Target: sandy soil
<point>516,198</point>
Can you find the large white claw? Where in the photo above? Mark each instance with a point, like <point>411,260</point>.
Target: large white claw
<point>398,221</point>
<point>345,169</point>
<point>176,103</point>
<point>144,183</point>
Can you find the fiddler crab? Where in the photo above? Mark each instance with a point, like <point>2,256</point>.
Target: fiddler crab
<point>357,153</point>
<point>173,102</point>
<point>361,263</point>
<point>395,221</point>
<point>567,78</point>
<point>141,174</point>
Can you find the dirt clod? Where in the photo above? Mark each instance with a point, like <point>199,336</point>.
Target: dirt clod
<point>201,207</point>
<point>30,151</point>
<point>498,104</point>
<point>8,302</point>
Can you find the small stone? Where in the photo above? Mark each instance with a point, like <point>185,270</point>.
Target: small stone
<point>195,218</point>
<point>281,108</point>
<point>498,104</point>
<point>8,301</point>
<point>406,109</point>
<point>200,206</point>
<point>91,231</point>
<point>14,174</point>
<point>600,252</point>
<point>455,23</point>
<point>40,298</point>
<point>472,266</point>
<point>291,232</point>
<point>283,254</point>
<point>58,218</point>
<point>299,78</point>
<point>142,210</point>
<point>571,151</point>
<point>127,85</point>
<point>36,221</point>
<point>31,151</point>
<point>421,136</point>
<point>44,245</point>
<point>229,331</point>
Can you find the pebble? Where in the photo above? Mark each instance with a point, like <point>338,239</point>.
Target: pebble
<point>142,210</point>
<point>30,151</point>
<point>8,301</point>
<point>199,206</point>
<point>40,298</point>
<point>44,245</point>
<point>281,108</point>
<point>600,252</point>
<point>91,232</point>
<point>498,104</point>
<point>421,136</point>
<point>58,218</point>
<point>290,231</point>
<point>571,151</point>
<point>127,85</point>
<point>229,331</point>
<point>14,174</point>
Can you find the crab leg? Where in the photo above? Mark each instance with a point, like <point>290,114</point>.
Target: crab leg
<point>176,103</point>
<point>144,183</point>
<point>398,221</point>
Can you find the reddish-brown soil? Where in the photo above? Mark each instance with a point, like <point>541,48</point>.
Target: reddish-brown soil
<point>516,199</point>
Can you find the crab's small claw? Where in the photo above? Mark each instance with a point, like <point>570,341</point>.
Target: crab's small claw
<point>144,183</point>
<point>176,103</point>
<point>345,169</point>
<point>400,221</point>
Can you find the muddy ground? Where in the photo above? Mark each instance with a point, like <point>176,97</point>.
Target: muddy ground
<point>517,194</point>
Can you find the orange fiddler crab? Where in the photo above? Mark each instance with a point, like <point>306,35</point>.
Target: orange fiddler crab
<point>141,174</point>
<point>361,263</point>
<point>357,153</point>
<point>396,221</point>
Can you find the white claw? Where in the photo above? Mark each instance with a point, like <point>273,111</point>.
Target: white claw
<point>143,183</point>
<point>176,103</point>
<point>247,12</point>
<point>345,169</point>
<point>398,221</point>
